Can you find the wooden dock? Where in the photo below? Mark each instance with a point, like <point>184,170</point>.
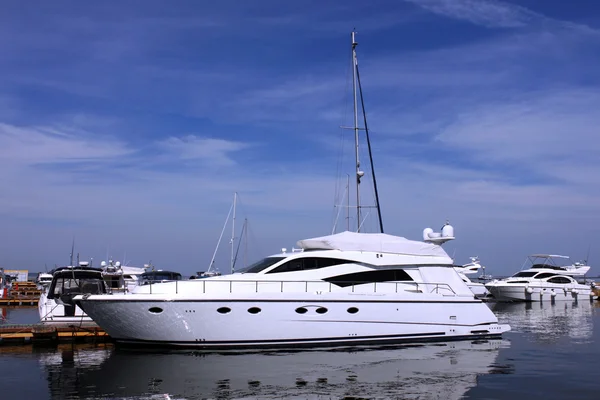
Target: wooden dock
<point>19,301</point>
<point>42,334</point>
<point>21,294</point>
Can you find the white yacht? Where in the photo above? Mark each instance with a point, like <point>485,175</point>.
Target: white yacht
<point>348,288</point>
<point>471,268</point>
<point>43,280</point>
<point>56,301</point>
<point>120,277</point>
<point>544,279</point>
<point>343,289</point>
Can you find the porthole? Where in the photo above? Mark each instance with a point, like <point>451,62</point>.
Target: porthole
<point>155,310</point>
<point>254,310</point>
<point>301,310</point>
<point>321,310</point>
<point>224,310</point>
<point>353,310</point>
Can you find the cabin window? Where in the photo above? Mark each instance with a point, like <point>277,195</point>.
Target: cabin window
<point>159,276</point>
<point>155,310</point>
<point>254,310</point>
<point>301,310</point>
<point>306,263</point>
<point>543,275</point>
<point>559,279</point>
<point>224,310</point>
<point>358,278</point>
<point>525,274</point>
<point>321,310</point>
<point>352,310</point>
<point>262,264</point>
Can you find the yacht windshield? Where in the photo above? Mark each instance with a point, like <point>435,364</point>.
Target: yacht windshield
<point>525,274</point>
<point>262,264</point>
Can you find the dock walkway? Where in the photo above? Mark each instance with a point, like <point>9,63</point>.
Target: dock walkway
<point>50,335</point>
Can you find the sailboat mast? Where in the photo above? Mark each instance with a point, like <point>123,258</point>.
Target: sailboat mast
<point>233,230</point>
<point>359,173</point>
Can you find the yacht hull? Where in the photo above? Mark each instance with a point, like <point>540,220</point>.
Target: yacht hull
<point>529,293</point>
<point>290,321</point>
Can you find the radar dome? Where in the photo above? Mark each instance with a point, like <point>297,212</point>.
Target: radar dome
<point>448,231</point>
<point>426,233</point>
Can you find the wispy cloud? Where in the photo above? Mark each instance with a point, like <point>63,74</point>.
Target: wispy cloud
<point>495,14</point>
<point>218,152</point>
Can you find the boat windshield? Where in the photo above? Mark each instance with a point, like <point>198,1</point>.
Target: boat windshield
<point>76,285</point>
<point>262,264</point>
<point>525,274</point>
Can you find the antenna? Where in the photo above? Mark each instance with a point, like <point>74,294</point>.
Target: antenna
<point>587,256</point>
<point>72,251</point>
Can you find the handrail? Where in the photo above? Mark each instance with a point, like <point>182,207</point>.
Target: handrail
<point>316,285</point>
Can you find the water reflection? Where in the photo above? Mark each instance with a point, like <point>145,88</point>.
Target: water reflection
<point>548,321</point>
<point>422,372</point>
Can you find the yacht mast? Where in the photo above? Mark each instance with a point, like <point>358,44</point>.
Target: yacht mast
<point>359,173</point>
<point>233,231</point>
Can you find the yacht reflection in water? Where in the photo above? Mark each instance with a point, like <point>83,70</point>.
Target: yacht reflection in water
<point>550,321</point>
<point>419,371</point>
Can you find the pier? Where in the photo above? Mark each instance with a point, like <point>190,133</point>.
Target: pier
<point>43,334</point>
<point>21,294</point>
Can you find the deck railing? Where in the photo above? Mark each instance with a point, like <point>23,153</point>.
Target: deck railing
<point>273,286</point>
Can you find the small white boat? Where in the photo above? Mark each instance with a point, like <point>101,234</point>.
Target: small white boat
<point>43,280</point>
<point>471,268</point>
<point>544,280</point>
<point>56,301</point>
<point>120,277</point>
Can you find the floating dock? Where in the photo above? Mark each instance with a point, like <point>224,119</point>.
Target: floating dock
<point>42,334</point>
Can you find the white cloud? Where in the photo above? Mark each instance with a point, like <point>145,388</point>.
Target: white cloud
<point>219,152</point>
<point>42,144</point>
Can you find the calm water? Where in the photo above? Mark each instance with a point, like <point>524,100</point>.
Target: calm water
<point>553,352</point>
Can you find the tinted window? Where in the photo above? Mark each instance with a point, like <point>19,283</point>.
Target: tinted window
<point>544,275</point>
<point>386,275</point>
<point>559,279</point>
<point>301,264</point>
<point>262,264</point>
<point>527,274</point>
<point>159,276</point>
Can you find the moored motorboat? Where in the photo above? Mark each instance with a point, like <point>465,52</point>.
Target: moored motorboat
<point>545,280</point>
<point>469,269</point>
<point>343,289</point>
<point>56,304</point>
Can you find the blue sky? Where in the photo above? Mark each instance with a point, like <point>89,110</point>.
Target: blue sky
<point>129,125</point>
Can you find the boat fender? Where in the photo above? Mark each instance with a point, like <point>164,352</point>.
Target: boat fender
<point>552,293</point>
<point>528,290</point>
<point>575,292</point>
